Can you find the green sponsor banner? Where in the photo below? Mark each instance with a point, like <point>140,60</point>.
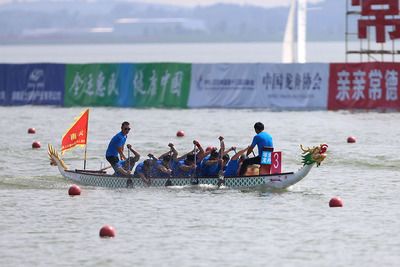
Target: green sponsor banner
<point>91,85</point>
<point>161,84</point>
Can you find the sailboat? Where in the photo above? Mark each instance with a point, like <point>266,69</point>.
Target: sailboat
<point>289,50</point>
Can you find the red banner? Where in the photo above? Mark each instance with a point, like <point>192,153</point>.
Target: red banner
<point>364,86</point>
<point>77,134</point>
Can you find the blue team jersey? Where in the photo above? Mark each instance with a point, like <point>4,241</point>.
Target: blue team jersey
<point>155,172</point>
<point>139,168</point>
<point>209,170</point>
<point>232,168</point>
<point>178,172</point>
<point>117,141</point>
<point>262,139</point>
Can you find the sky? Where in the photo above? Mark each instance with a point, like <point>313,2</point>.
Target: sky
<point>191,3</point>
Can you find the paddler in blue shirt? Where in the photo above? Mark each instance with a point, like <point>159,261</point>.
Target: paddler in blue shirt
<point>116,148</point>
<point>143,171</point>
<point>261,139</point>
<point>212,164</point>
<point>128,164</point>
<point>232,168</point>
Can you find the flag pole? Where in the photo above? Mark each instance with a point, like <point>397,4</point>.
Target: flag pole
<point>87,127</point>
<point>84,161</point>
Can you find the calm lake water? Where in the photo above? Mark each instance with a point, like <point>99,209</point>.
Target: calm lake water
<point>40,225</point>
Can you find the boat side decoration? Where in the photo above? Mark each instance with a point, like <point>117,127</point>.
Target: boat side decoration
<point>311,156</point>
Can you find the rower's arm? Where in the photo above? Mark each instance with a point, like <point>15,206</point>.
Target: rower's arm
<point>137,155</point>
<point>123,171</point>
<point>164,169</point>
<point>249,150</point>
<point>229,150</point>
<point>174,152</point>
<point>121,152</point>
<point>163,155</point>
<point>186,167</point>
<point>239,153</point>
<point>221,146</point>
<point>201,153</point>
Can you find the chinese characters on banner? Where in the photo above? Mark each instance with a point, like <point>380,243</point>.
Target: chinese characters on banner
<point>91,84</point>
<point>77,134</point>
<point>161,84</point>
<point>364,86</point>
<point>259,85</point>
<point>379,14</point>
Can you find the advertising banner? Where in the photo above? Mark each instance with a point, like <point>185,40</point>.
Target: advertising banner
<point>259,86</point>
<point>293,86</point>
<point>3,93</point>
<point>161,84</point>
<point>125,85</point>
<point>34,84</point>
<point>91,85</point>
<point>364,86</point>
<point>224,86</point>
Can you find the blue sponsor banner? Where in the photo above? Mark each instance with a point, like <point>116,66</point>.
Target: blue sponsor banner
<point>3,88</point>
<point>35,84</point>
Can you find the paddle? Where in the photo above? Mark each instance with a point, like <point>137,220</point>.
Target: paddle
<point>129,160</point>
<point>221,177</point>
<point>194,178</point>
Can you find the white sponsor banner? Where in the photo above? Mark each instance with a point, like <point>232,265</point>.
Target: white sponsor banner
<point>222,85</point>
<point>292,86</point>
<point>297,86</point>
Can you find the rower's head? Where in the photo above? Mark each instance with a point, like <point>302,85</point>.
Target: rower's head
<point>125,127</point>
<point>214,154</point>
<point>166,159</point>
<point>189,159</point>
<point>147,163</point>
<point>258,127</point>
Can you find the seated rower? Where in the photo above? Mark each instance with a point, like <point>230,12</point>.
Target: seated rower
<point>162,168</point>
<point>124,167</point>
<point>143,171</point>
<point>212,164</point>
<point>189,164</point>
<point>185,168</point>
<point>233,166</point>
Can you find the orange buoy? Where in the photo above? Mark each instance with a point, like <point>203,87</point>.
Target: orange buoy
<point>31,130</point>
<point>180,133</point>
<point>107,231</point>
<point>351,139</point>
<point>335,202</point>
<point>36,144</point>
<point>74,190</point>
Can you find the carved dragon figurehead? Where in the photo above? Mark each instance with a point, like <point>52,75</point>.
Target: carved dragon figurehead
<point>55,157</point>
<point>316,154</point>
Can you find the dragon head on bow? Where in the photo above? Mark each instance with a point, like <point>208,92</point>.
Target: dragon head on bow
<point>316,154</point>
<point>55,157</point>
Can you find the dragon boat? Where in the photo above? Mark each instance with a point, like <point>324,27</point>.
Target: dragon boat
<point>310,157</point>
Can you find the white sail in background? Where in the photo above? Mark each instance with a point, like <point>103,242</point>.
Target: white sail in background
<point>301,30</point>
<point>288,40</point>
